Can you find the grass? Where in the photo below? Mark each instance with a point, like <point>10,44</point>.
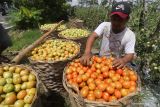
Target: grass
<point>21,39</point>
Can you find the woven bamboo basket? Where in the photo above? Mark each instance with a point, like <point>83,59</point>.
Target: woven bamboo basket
<point>81,40</point>
<point>51,72</point>
<point>32,71</point>
<point>78,101</point>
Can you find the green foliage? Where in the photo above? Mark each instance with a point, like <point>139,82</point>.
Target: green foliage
<point>30,13</point>
<point>92,16</point>
<point>24,17</point>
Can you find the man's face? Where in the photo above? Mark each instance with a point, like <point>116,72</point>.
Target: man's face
<point>118,24</point>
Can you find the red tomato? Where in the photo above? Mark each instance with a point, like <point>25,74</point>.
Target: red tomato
<point>69,76</point>
<point>105,74</point>
<point>102,86</point>
<point>105,96</point>
<point>117,94</point>
<point>93,69</point>
<point>85,69</point>
<point>74,74</point>
<point>110,90</point>
<point>98,93</point>
<point>119,71</point>
<point>126,84</point>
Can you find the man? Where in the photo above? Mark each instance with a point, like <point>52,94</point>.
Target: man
<point>5,41</point>
<point>116,37</point>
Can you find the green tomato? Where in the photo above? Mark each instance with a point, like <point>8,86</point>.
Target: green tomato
<point>8,88</point>
<point>7,75</point>
<point>2,81</point>
<point>17,88</point>
<point>9,80</point>
<point>28,98</point>
<point>19,103</point>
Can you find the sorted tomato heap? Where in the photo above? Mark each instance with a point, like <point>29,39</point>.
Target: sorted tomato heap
<point>100,81</point>
<point>47,27</point>
<point>17,86</point>
<point>55,50</point>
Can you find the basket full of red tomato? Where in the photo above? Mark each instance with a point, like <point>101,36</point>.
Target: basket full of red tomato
<point>100,85</point>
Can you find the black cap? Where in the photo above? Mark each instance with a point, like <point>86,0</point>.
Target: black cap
<point>122,9</point>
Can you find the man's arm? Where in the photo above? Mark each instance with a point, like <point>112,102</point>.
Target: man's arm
<point>121,62</point>
<point>85,59</point>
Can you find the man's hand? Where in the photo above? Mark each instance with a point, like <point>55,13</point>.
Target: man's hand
<point>85,59</point>
<point>119,63</point>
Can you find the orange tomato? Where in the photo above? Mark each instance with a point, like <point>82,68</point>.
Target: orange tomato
<point>82,84</point>
<point>91,97</point>
<point>75,64</point>
<point>88,74</point>
<point>74,69</point>
<point>105,74</point>
<point>89,71</point>
<point>118,85</point>
<point>133,83</point>
<point>98,81</point>
<point>69,71</point>
<point>69,76</point>
<point>81,72</point>
<point>119,71</point>
<point>117,94</point>
<point>112,84</point>
<point>79,79</point>
<point>91,86</point>
<point>105,96</point>
<point>112,98</point>
<point>98,60</point>
<point>110,90</point>
<point>108,81</point>
<point>132,89</point>
<point>126,78</point>
<point>124,92</point>
<point>126,84</point>
<point>98,66</point>
<point>121,80</point>
<point>102,86</point>
<point>92,92</point>
<point>98,93</point>
<point>98,71</point>
<point>125,73</point>
<point>94,75</point>
<point>105,68</point>
<point>131,73</point>
<point>90,80</point>
<point>84,77</point>
<point>85,69</point>
<point>84,91</point>
<point>100,76</point>
<point>111,74</point>
<point>93,69</point>
<point>115,78</point>
<point>133,77</point>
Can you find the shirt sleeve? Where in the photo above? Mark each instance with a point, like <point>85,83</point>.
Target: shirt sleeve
<point>130,45</point>
<point>100,29</point>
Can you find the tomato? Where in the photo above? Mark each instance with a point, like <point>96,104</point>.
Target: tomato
<point>94,75</point>
<point>82,84</point>
<point>133,78</point>
<point>105,74</point>
<point>131,73</point>
<point>85,69</point>
<point>118,85</point>
<point>10,99</point>
<point>69,71</point>
<point>102,86</point>
<point>91,86</point>
<point>81,72</point>
<point>121,80</point>
<point>112,84</point>
<point>98,93</point>
<point>28,98</point>
<point>126,84</point>
<point>98,66</point>
<point>115,78</point>
<point>111,74</point>
<point>19,103</point>
<point>133,83</point>
<point>126,78</point>
<point>110,90</point>
<point>98,71</point>
<point>89,71</point>
<point>25,78</point>
<point>90,80</point>
<point>98,81</point>
<point>17,80</point>
<point>105,69</point>
<point>31,77</point>
<point>84,91</point>
<point>79,79</point>
<point>104,58</point>
<point>125,73</point>
<point>21,94</point>
<point>69,76</point>
<point>119,71</point>
<point>24,72</point>
<point>91,97</point>
<point>8,88</point>
<point>31,84</point>
<point>93,69</point>
<point>108,81</point>
<point>132,89</point>
<point>84,77</point>
<point>124,92</point>
<point>105,96</point>
<point>32,91</point>
<point>88,75</point>
<point>112,98</point>
<point>100,76</point>
<point>98,60</point>
<point>117,94</point>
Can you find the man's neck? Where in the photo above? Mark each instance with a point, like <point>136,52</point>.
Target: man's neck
<point>118,31</point>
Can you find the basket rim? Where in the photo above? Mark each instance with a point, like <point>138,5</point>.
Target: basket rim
<point>73,38</point>
<point>69,88</point>
<point>30,70</point>
<point>70,58</point>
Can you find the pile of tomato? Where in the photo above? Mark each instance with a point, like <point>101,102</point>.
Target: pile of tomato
<point>100,81</point>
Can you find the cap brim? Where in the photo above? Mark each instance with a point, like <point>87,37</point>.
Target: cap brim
<point>122,15</point>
